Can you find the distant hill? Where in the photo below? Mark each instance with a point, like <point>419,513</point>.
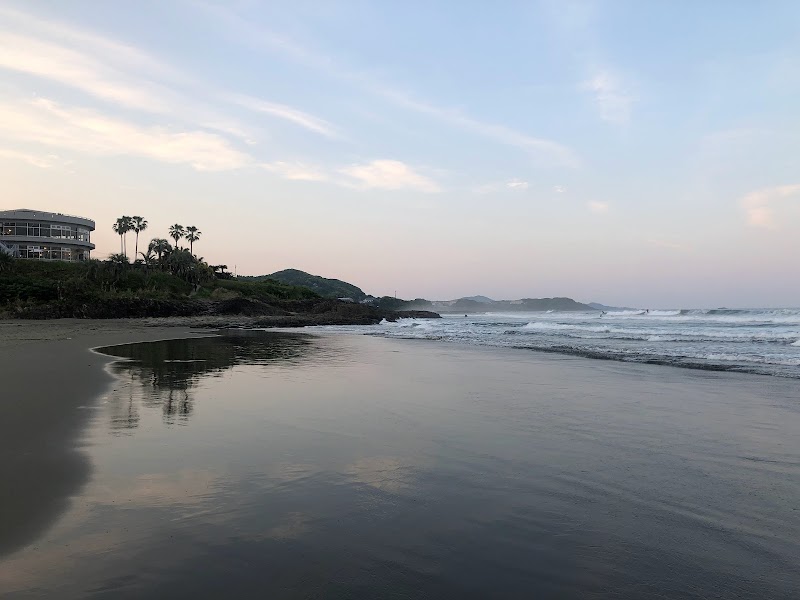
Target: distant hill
<point>482,299</point>
<point>466,305</point>
<point>327,288</point>
<point>605,307</point>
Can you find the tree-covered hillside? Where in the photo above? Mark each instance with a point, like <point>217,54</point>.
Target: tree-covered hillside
<point>177,285</point>
<point>327,288</point>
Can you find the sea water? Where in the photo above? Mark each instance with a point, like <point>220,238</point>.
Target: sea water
<point>764,341</point>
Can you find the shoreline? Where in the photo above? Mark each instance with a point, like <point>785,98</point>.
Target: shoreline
<point>51,374</point>
<point>695,469</point>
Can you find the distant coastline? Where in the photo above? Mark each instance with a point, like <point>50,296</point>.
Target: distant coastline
<point>180,285</point>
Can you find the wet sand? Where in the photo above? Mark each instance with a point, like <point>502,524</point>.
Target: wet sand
<point>48,373</point>
<point>294,465</point>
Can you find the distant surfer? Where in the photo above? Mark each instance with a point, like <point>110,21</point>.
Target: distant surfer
<point>647,312</point>
<point>602,312</point>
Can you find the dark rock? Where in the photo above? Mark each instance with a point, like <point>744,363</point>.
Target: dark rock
<point>246,306</point>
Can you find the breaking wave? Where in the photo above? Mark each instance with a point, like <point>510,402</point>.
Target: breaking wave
<point>764,341</point>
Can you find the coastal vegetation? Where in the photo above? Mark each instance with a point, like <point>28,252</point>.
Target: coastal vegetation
<point>125,224</point>
<point>327,288</point>
<point>176,232</point>
<point>162,280</point>
<point>177,283</point>
<point>192,235</point>
<point>165,281</point>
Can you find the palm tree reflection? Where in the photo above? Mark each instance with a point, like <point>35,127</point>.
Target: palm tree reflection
<point>162,374</point>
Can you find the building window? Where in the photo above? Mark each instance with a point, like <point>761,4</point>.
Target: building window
<point>62,231</point>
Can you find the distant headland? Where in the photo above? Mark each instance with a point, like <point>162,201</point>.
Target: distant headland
<point>335,288</point>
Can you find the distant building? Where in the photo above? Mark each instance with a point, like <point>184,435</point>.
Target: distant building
<point>26,233</point>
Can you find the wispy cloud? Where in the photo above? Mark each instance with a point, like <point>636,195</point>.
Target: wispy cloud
<point>45,122</point>
<point>105,70</point>
<point>559,189</point>
<point>598,207</point>
<point>548,152</point>
<point>379,174</point>
<point>297,171</point>
<point>282,111</point>
<point>545,151</point>
<point>111,50</point>
<point>517,184</point>
<point>613,100</point>
<point>128,78</point>
<point>760,207</point>
<point>44,161</point>
<point>514,184</point>
<point>389,175</point>
<point>78,70</point>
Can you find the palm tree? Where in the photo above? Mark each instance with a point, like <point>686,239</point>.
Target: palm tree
<point>159,246</point>
<point>148,258</point>
<point>180,263</point>
<point>138,224</point>
<point>192,235</point>
<point>122,226</point>
<point>127,226</point>
<point>220,273</point>
<point>119,228</point>
<point>176,232</point>
<point>118,259</point>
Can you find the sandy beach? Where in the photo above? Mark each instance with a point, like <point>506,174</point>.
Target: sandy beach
<point>338,465</point>
<point>48,372</point>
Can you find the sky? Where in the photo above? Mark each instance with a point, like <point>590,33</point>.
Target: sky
<point>631,153</point>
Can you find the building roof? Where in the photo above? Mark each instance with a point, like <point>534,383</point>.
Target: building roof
<point>40,215</point>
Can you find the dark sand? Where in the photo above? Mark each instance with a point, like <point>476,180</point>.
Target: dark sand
<point>361,467</point>
<point>48,373</point>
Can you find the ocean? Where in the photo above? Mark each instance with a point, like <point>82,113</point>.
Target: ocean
<point>762,341</point>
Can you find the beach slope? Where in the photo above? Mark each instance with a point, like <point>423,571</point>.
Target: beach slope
<point>48,374</point>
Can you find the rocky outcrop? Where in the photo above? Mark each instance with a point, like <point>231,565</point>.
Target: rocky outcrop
<point>332,312</point>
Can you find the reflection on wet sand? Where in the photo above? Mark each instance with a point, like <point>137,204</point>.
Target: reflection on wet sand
<point>119,512</point>
<point>284,466</point>
<point>167,371</point>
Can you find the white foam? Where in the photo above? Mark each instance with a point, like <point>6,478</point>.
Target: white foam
<point>765,340</point>
<point>538,325</point>
<point>413,323</point>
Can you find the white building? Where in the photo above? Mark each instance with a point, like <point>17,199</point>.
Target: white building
<point>27,233</point>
